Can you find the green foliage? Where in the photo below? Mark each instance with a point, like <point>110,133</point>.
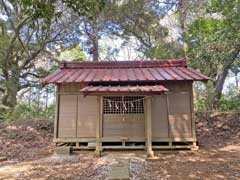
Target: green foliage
<point>47,10</point>
<point>23,112</point>
<point>230,100</point>
<point>165,51</point>
<point>213,43</point>
<point>39,9</point>
<point>213,40</point>
<point>30,32</point>
<point>139,19</point>
<point>205,47</point>
<point>89,8</point>
<point>74,53</point>
<point>204,95</point>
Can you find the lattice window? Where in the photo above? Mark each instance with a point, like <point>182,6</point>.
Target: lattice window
<point>123,105</point>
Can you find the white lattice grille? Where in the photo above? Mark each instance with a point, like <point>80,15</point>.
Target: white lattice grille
<point>123,104</point>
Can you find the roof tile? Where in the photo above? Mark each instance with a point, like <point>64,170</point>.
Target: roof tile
<point>126,71</point>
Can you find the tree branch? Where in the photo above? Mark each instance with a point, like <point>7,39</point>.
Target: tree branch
<point>16,29</point>
<point>2,90</point>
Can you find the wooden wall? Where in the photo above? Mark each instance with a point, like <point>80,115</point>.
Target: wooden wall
<point>179,113</point>
<point>174,122</point>
<point>159,117</point>
<point>67,116</point>
<point>130,125</point>
<point>88,113</point>
<point>78,115</point>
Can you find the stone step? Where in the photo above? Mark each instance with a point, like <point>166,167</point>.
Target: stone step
<point>63,150</point>
<point>119,172</point>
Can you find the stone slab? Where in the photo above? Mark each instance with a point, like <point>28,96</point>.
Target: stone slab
<point>119,172</point>
<point>63,150</point>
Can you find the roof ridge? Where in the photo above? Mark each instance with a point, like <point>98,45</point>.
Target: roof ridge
<point>124,64</point>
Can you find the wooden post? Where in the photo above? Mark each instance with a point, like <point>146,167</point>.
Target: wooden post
<point>169,124</point>
<point>76,124</point>
<point>148,119</point>
<point>99,129</point>
<point>56,114</point>
<point>195,147</point>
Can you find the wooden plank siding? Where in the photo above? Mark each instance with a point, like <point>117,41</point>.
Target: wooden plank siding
<point>119,125</point>
<point>88,113</point>
<point>77,116</point>
<point>67,116</point>
<point>180,119</point>
<point>175,121</point>
<point>159,117</point>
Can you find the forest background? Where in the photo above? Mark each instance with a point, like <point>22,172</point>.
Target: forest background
<point>36,35</point>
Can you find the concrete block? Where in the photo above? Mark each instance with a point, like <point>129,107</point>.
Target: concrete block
<point>119,172</point>
<point>64,150</point>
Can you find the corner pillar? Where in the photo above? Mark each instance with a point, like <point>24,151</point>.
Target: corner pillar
<point>99,129</point>
<point>194,146</point>
<point>148,119</point>
<point>56,116</point>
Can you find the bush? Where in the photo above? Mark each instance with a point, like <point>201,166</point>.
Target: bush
<point>23,111</point>
<point>230,100</point>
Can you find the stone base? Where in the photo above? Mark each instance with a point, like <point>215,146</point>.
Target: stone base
<point>152,158</point>
<point>195,148</point>
<point>62,150</point>
<point>97,153</point>
<point>150,154</point>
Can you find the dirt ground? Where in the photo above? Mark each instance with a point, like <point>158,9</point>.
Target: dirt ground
<point>28,148</point>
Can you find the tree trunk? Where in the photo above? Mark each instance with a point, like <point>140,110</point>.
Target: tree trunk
<point>10,96</point>
<point>38,100</point>
<point>236,79</point>
<point>182,17</point>
<point>95,42</point>
<point>46,102</point>
<point>222,77</point>
<point>219,86</point>
<point>30,97</point>
<point>11,81</point>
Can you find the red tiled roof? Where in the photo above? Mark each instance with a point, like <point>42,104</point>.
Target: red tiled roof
<point>143,90</point>
<point>124,71</point>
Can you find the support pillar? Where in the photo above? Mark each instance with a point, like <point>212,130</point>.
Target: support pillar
<point>99,129</point>
<point>148,119</point>
<point>56,116</point>
<point>195,146</point>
